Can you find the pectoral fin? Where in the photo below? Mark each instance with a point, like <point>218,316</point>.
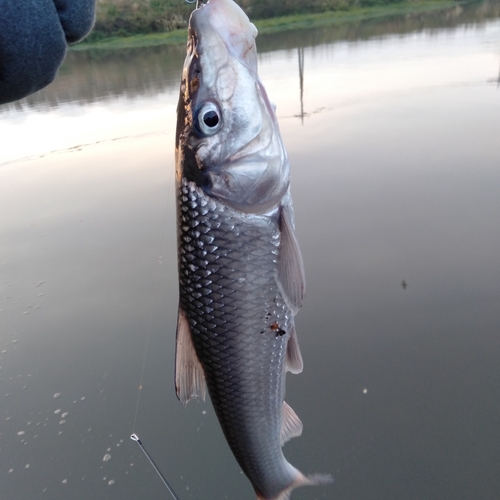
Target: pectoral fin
<point>291,424</point>
<point>290,278</point>
<point>293,361</point>
<point>189,376</point>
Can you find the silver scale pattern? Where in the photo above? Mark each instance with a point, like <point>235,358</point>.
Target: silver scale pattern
<point>227,276</point>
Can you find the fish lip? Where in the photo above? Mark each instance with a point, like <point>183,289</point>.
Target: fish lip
<point>232,26</point>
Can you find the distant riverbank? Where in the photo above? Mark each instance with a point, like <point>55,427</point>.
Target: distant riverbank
<point>174,34</point>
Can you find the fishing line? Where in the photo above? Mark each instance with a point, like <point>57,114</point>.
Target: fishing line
<point>153,301</point>
<point>142,371</point>
<point>135,437</point>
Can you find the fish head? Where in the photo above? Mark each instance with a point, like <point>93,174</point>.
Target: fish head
<point>228,139</point>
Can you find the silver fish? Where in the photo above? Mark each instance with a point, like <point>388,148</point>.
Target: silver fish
<point>241,276</point>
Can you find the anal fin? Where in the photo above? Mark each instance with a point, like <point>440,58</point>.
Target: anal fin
<point>291,425</point>
<point>189,376</point>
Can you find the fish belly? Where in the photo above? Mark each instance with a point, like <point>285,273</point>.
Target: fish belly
<point>240,327</point>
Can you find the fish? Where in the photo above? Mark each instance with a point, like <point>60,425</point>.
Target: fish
<point>241,272</point>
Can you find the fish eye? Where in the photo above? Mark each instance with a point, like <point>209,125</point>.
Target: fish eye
<point>208,119</point>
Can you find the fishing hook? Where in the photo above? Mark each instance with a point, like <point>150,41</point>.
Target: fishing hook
<point>135,437</point>
<point>198,2</point>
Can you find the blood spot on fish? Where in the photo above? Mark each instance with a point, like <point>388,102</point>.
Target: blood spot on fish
<point>275,328</point>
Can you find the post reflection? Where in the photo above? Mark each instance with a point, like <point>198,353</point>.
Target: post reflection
<point>301,82</point>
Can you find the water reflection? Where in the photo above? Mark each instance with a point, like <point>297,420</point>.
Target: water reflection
<point>92,76</point>
<point>396,188</point>
<point>300,51</point>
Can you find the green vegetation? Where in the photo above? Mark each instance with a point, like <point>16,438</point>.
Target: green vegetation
<point>130,17</point>
<point>355,14</point>
<point>125,24</point>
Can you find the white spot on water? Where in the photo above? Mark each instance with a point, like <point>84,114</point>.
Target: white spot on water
<point>65,414</point>
<point>57,395</point>
<point>365,391</point>
<point>62,422</point>
<point>27,466</point>
<point>57,411</point>
<point>107,457</point>
<point>20,433</point>
<point>64,481</point>
<point>111,482</point>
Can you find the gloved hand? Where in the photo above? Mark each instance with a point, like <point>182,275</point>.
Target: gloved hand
<point>33,39</point>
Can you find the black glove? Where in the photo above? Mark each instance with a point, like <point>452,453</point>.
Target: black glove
<point>33,38</point>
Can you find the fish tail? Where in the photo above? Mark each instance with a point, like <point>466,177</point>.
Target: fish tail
<point>301,480</point>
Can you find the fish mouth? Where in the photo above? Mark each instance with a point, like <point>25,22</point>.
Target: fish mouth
<point>231,24</point>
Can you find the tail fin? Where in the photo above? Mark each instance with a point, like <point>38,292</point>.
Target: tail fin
<point>302,480</point>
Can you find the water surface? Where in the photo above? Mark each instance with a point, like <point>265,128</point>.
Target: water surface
<point>396,182</point>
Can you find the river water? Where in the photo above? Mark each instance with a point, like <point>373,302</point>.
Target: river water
<point>393,130</point>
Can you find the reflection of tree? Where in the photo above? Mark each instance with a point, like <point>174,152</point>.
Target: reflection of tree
<point>94,75</point>
<point>411,22</point>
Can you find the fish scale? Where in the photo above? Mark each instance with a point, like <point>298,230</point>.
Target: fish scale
<point>232,323</point>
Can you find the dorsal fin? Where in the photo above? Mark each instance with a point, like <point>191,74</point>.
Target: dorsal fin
<point>189,376</point>
<point>293,362</point>
<point>290,277</point>
<point>291,425</point>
